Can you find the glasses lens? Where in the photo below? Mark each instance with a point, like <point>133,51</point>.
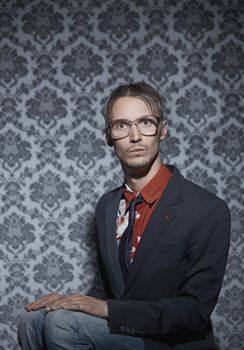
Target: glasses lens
<point>147,125</point>
<point>120,129</point>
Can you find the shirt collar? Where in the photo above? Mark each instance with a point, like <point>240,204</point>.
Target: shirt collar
<point>153,189</point>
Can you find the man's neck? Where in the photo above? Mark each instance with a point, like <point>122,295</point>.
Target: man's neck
<point>138,178</point>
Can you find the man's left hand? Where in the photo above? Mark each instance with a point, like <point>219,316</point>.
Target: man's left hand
<point>84,303</point>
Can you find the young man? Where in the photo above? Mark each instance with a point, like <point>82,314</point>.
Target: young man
<point>162,250</point>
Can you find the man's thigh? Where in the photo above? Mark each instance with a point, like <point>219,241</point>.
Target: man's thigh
<point>76,330</point>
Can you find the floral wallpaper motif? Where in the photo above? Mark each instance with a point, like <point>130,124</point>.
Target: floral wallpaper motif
<point>58,62</point>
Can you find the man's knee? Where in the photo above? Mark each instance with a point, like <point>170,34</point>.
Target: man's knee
<point>29,319</point>
<point>30,323</point>
<point>60,326</point>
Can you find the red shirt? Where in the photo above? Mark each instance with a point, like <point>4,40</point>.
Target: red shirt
<point>151,193</point>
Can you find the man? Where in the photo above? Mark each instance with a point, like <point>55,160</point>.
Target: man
<point>162,250</point>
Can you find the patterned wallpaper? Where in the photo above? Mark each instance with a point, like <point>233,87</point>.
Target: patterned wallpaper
<point>59,59</point>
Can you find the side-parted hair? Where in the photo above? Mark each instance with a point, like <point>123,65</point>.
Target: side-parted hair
<point>141,90</point>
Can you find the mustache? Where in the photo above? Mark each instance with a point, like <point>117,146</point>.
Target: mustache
<point>137,148</point>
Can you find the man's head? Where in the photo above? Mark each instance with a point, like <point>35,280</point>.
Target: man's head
<point>134,126</point>
<point>140,90</point>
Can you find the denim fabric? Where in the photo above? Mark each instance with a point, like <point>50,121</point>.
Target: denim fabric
<point>70,330</point>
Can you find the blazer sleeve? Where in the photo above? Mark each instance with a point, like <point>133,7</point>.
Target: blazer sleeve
<point>190,308</point>
<point>97,290</point>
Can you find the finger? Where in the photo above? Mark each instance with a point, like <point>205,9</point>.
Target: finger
<point>43,302</point>
<point>37,304</point>
<point>72,302</point>
<point>75,307</point>
<point>55,304</point>
<point>68,304</point>
<point>58,304</point>
<point>68,300</point>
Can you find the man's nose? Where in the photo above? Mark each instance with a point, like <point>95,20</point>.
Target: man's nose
<point>134,134</point>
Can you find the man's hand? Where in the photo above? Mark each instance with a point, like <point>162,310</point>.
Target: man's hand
<point>77,302</point>
<point>84,303</point>
<point>44,302</point>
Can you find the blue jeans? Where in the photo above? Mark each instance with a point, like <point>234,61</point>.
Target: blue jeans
<point>70,330</point>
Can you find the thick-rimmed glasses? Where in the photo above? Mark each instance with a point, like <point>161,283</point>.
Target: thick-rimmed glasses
<point>147,126</point>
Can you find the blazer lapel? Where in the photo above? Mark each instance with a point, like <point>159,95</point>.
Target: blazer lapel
<point>160,220</point>
<point>112,249</point>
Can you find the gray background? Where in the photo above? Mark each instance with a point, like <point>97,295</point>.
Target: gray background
<point>58,62</point>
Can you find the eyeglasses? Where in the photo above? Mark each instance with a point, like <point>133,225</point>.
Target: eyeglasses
<point>147,125</point>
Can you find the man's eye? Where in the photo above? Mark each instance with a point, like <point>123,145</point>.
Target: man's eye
<point>120,125</point>
<point>146,122</point>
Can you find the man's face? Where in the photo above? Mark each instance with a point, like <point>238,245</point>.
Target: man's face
<point>136,151</point>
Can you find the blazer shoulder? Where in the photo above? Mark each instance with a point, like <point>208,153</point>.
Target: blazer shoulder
<point>201,197</point>
<point>195,196</point>
<point>107,197</point>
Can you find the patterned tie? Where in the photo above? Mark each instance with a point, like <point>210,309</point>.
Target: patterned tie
<point>127,238</point>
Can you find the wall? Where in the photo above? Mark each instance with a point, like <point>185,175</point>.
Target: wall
<point>58,62</point>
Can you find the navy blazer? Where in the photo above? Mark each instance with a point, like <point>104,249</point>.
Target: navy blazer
<point>177,271</point>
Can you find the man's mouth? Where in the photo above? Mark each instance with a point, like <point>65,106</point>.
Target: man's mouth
<point>137,149</point>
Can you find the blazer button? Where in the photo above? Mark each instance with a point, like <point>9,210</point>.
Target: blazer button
<point>127,329</point>
<point>122,329</point>
<point>133,330</point>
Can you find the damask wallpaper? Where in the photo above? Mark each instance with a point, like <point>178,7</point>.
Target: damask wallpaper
<point>58,62</point>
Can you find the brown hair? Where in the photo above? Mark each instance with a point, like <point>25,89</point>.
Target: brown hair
<point>141,90</point>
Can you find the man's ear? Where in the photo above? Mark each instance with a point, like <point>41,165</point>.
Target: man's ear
<point>164,130</point>
<point>109,140</point>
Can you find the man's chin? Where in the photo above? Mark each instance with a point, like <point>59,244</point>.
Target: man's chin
<point>138,164</point>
